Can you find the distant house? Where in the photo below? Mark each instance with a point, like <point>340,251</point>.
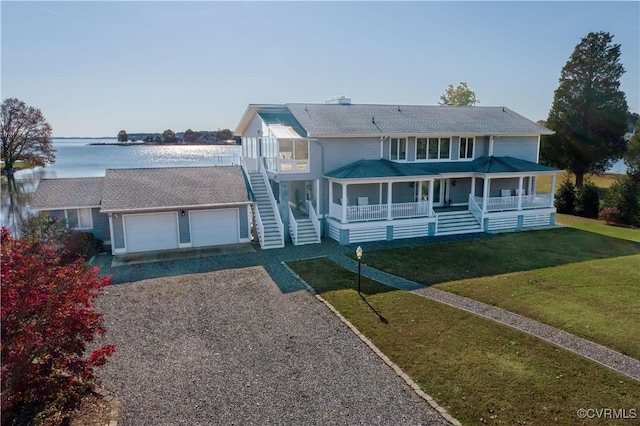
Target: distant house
<point>384,172</point>
<point>136,210</point>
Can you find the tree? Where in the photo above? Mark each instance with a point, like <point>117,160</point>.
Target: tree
<point>461,95</point>
<point>190,136</point>
<point>589,112</point>
<point>169,136</point>
<point>25,134</point>
<point>123,136</point>
<point>47,318</point>
<point>632,155</point>
<point>224,135</point>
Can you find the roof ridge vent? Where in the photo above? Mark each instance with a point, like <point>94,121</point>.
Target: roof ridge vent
<point>338,100</point>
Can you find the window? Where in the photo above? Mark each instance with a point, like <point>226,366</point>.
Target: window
<point>421,148</point>
<point>398,149</point>
<point>466,148</point>
<point>433,148</point>
<point>293,155</point>
<point>79,218</point>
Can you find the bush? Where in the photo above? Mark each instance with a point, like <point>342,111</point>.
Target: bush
<point>624,196</point>
<point>611,215</point>
<point>587,202</point>
<point>565,200</point>
<point>47,318</point>
<point>72,245</point>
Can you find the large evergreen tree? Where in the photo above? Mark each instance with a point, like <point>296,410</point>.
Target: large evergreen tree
<point>589,111</point>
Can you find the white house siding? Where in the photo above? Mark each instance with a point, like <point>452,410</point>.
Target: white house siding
<point>481,146</point>
<point>339,152</point>
<point>525,148</point>
<point>254,126</point>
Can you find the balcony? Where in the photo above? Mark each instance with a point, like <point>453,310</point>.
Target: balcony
<point>497,204</point>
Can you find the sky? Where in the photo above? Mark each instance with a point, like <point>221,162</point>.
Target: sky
<point>94,68</point>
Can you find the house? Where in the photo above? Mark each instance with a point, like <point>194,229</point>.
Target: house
<point>382,172</point>
<point>136,210</point>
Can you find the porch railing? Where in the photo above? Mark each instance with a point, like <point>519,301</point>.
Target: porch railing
<point>511,203</point>
<point>380,211</point>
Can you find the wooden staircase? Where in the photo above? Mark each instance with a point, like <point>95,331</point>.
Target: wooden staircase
<point>457,222</point>
<point>270,235</point>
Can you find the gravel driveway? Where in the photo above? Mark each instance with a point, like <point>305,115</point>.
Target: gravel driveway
<point>227,347</point>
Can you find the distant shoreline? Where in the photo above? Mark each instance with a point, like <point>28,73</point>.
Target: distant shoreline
<point>138,143</point>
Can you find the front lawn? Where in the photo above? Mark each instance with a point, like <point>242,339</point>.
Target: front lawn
<point>481,371</point>
<point>582,282</point>
<point>598,227</point>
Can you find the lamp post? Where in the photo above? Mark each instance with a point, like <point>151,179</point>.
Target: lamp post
<point>359,256</point>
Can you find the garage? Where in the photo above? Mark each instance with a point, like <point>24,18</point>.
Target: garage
<point>214,227</point>
<point>147,232</point>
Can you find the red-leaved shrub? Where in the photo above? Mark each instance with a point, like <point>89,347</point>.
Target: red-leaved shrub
<point>47,318</point>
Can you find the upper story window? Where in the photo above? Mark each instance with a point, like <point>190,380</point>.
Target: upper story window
<point>398,149</point>
<point>433,148</point>
<point>293,155</point>
<point>466,148</point>
<point>79,218</point>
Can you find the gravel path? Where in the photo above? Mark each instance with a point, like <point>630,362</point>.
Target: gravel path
<point>229,347</point>
<point>623,364</point>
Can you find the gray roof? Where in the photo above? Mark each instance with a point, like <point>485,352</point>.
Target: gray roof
<point>368,169</point>
<point>353,119</point>
<point>175,187</point>
<point>53,194</point>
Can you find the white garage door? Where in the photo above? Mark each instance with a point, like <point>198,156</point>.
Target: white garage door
<point>147,232</point>
<point>214,227</point>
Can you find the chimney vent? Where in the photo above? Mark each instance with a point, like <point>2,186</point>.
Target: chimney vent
<point>339,100</point>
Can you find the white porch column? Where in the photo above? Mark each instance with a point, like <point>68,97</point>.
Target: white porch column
<point>389,201</point>
<point>380,195</point>
<point>473,186</point>
<point>431,184</point>
<point>520,193</point>
<point>485,193</point>
<point>534,184</point>
<point>330,195</point>
<point>553,189</point>
<point>419,191</point>
<point>344,202</point>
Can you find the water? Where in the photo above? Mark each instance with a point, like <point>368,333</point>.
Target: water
<point>77,158</point>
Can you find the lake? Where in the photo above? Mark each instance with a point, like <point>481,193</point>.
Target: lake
<point>78,158</point>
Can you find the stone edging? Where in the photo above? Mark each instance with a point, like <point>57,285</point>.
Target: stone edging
<point>114,404</point>
<point>442,411</point>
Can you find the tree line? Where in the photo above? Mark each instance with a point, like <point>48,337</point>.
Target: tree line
<point>189,136</point>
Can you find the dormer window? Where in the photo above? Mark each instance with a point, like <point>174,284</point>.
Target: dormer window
<point>398,149</point>
<point>466,148</point>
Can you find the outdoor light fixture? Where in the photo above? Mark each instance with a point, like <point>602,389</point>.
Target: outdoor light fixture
<point>182,213</point>
<point>359,256</point>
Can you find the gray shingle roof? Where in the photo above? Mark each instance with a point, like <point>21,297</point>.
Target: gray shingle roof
<point>67,192</point>
<point>331,120</point>
<point>157,188</point>
<point>366,169</point>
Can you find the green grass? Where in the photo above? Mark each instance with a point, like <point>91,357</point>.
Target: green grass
<point>598,227</point>
<point>582,282</point>
<point>603,181</point>
<point>477,369</point>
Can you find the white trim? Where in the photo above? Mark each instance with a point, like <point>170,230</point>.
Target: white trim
<point>490,153</point>
<point>183,245</point>
<point>538,151</point>
<point>77,210</point>
<point>433,160</point>
<point>111,235</point>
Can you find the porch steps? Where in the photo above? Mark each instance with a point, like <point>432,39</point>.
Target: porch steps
<point>272,237</point>
<point>458,222</point>
<point>306,233</point>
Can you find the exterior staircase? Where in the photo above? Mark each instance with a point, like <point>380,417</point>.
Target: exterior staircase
<point>270,235</point>
<point>305,233</point>
<point>457,222</point>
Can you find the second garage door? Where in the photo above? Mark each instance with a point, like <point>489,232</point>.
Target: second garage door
<point>214,227</point>
<point>147,232</point>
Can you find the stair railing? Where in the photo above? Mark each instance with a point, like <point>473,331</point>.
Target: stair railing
<point>314,219</point>
<point>257,220</point>
<point>272,200</point>
<point>293,226</point>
